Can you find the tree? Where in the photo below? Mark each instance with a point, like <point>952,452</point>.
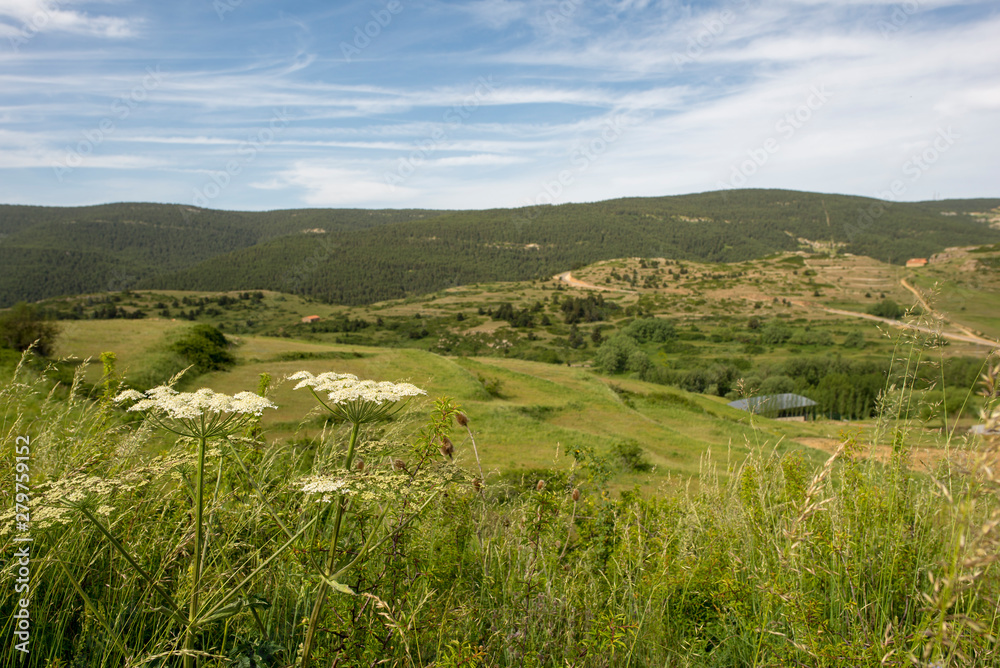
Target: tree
<point>206,348</point>
<point>645,330</point>
<point>614,354</point>
<point>775,333</point>
<point>887,308</point>
<point>23,325</point>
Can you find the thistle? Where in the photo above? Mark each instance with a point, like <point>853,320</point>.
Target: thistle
<point>447,448</point>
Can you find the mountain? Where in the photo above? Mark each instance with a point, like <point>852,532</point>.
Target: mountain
<point>357,256</point>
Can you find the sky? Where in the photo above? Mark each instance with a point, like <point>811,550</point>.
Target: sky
<point>255,105</point>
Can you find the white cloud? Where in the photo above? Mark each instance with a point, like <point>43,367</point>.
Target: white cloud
<point>27,17</point>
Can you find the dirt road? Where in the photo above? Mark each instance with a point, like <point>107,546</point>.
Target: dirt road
<point>978,340</point>
<point>567,278</point>
<point>927,308</point>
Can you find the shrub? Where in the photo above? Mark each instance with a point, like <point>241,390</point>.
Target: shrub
<point>655,330</point>
<point>23,325</point>
<point>206,348</point>
<point>855,339</point>
<point>615,353</point>
<point>775,333</point>
<point>631,456</point>
<point>887,308</point>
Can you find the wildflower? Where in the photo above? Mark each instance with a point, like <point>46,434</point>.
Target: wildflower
<point>325,486</point>
<point>356,401</point>
<point>187,409</point>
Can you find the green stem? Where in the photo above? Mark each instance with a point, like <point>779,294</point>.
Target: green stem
<point>189,660</point>
<point>331,555</point>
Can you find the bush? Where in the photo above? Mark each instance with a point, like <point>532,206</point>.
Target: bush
<point>631,456</point>
<point>205,348</point>
<point>887,308</point>
<point>615,353</point>
<point>23,325</point>
<point>855,339</point>
<point>655,330</point>
<point>775,333</point>
<point>777,385</point>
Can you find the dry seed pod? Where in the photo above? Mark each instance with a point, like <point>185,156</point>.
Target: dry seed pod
<point>540,486</point>
<point>576,495</point>
<point>447,449</point>
<point>462,419</point>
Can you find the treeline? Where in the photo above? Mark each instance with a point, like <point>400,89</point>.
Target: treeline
<point>843,388</point>
<point>366,256</point>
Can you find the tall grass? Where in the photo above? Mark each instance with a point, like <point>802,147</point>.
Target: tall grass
<point>763,562</point>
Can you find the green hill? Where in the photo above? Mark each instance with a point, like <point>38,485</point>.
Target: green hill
<point>357,256</point>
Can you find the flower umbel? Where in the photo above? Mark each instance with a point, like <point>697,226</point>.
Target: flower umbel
<point>356,401</point>
<point>198,414</point>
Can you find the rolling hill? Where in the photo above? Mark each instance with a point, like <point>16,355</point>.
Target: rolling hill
<point>360,256</point>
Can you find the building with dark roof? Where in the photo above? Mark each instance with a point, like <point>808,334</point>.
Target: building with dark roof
<point>785,406</point>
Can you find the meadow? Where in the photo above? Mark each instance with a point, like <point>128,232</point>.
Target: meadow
<point>533,508</point>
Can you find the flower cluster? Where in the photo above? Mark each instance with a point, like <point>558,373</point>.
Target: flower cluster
<point>189,405</point>
<point>345,387</point>
<point>371,485</point>
<point>353,400</point>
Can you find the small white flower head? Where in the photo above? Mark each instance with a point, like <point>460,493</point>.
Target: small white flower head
<point>356,400</point>
<point>226,413</point>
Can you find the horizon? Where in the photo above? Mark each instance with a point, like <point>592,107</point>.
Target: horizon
<point>512,208</point>
<point>239,105</point>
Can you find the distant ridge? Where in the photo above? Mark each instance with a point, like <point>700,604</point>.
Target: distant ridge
<point>358,256</point>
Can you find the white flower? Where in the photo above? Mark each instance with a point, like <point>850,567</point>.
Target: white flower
<point>188,405</point>
<point>325,486</point>
<point>357,400</point>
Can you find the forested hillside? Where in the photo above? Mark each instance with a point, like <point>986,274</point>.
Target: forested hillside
<point>358,256</point>
<point>50,251</point>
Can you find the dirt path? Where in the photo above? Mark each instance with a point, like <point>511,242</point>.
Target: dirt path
<point>966,338</point>
<point>921,457</point>
<point>567,278</point>
<point>927,307</point>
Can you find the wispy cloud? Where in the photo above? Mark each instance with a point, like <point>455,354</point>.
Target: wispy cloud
<point>697,88</point>
<point>28,17</point>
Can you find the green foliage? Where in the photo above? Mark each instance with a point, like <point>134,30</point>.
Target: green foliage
<point>255,654</point>
<point>887,308</point>
<point>360,257</point>
<point>617,354</point>
<point>650,330</point>
<point>775,332</point>
<point>631,456</point>
<point>22,325</point>
<point>855,339</point>
<point>781,563</point>
<point>206,348</point>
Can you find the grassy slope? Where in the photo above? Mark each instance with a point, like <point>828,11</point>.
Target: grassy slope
<point>544,410</point>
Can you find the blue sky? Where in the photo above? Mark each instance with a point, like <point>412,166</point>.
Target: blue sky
<point>245,104</point>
